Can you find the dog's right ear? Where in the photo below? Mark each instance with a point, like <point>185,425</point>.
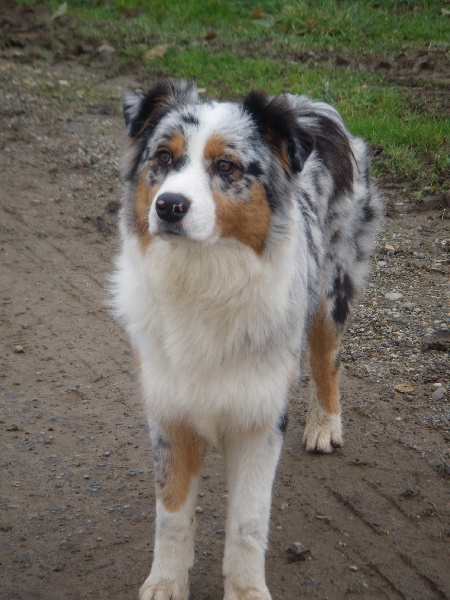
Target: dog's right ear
<point>142,111</point>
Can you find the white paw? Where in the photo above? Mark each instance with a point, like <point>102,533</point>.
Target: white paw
<point>323,432</point>
<point>164,589</point>
<point>233,592</point>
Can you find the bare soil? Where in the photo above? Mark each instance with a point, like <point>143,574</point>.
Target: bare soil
<point>76,495</point>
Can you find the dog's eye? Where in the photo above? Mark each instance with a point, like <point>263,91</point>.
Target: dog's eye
<point>226,167</point>
<point>164,158</point>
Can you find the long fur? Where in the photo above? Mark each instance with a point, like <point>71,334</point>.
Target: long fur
<point>219,302</point>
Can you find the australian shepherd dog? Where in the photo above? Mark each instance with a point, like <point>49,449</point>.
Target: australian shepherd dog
<point>247,231</point>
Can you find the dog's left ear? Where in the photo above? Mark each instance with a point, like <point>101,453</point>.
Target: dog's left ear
<point>144,110</point>
<point>278,124</point>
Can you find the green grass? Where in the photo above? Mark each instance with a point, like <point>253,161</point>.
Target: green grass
<point>355,25</point>
<point>228,47</point>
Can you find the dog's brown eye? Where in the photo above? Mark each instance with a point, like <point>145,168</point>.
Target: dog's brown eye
<point>164,158</point>
<point>225,166</point>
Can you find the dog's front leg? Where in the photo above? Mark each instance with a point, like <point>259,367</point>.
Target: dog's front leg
<point>251,463</point>
<point>178,455</point>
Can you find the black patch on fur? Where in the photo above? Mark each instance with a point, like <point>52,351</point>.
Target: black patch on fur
<point>368,213</point>
<point>254,168</point>
<point>342,292</point>
<point>190,120</point>
<point>335,237</point>
<point>272,197</point>
<point>180,163</point>
<point>277,122</point>
<point>283,421</point>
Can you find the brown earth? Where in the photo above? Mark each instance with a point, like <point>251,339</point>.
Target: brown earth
<point>76,496</point>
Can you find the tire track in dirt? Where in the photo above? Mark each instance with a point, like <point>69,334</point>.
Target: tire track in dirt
<point>400,537</point>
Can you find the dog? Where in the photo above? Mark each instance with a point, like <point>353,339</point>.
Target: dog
<point>247,231</point>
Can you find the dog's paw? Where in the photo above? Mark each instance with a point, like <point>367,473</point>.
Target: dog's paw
<point>232,592</point>
<point>323,432</point>
<point>164,589</point>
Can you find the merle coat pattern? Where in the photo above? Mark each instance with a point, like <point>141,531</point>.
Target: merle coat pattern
<point>247,231</point>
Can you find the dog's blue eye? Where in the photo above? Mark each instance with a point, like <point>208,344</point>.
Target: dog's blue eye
<point>226,167</point>
<point>164,158</point>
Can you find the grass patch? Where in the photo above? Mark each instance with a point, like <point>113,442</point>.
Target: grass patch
<point>231,47</point>
<point>350,25</point>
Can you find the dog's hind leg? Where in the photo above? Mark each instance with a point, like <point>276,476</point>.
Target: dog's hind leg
<point>251,460</point>
<point>323,430</point>
<point>178,457</point>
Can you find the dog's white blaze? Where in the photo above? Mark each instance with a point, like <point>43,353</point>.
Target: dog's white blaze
<point>192,182</point>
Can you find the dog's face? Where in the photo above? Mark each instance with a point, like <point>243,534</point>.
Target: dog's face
<point>206,170</point>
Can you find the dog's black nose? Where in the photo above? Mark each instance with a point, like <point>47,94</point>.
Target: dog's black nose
<point>172,207</point>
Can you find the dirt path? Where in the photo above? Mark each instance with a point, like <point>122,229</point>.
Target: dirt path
<point>76,497</point>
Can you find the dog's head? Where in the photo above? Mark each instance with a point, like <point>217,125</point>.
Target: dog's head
<point>206,170</point>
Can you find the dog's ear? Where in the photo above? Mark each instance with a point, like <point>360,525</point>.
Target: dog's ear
<point>131,104</point>
<point>143,110</point>
<point>278,124</point>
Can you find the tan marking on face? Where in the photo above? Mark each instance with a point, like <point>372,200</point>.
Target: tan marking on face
<point>215,148</point>
<point>185,461</point>
<point>177,144</point>
<point>324,342</point>
<point>143,201</point>
<point>247,221</point>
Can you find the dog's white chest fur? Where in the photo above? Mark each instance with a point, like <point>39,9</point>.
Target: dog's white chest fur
<point>213,330</point>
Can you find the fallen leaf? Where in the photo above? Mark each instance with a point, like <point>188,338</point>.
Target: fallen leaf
<point>310,23</point>
<point>156,52</point>
<point>258,13</point>
<point>260,17</point>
